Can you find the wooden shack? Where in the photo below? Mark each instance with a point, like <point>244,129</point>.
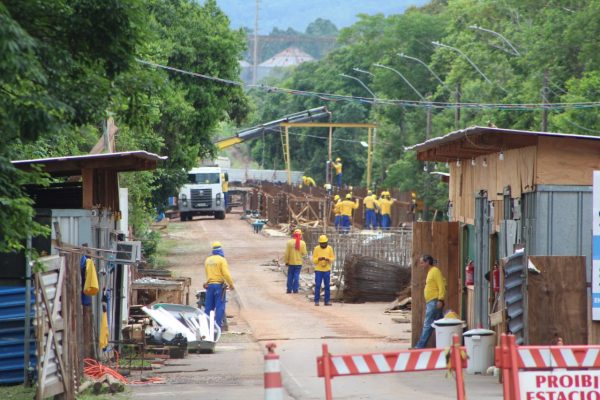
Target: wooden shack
<point>511,189</point>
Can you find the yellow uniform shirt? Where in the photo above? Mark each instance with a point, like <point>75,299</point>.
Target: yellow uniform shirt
<point>293,256</point>
<point>435,285</point>
<point>225,186</point>
<point>308,181</point>
<point>338,167</point>
<point>336,208</point>
<point>217,270</point>
<point>347,206</point>
<point>369,202</point>
<point>323,265</point>
<point>386,206</point>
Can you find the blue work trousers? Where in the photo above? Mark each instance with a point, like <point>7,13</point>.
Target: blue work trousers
<point>293,278</point>
<point>338,222</point>
<point>370,219</point>
<point>215,300</point>
<point>432,313</point>
<point>339,180</point>
<point>386,221</point>
<point>346,223</point>
<point>322,277</point>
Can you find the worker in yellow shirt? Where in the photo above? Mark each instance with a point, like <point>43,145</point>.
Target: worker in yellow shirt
<point>385,204</point>
<point>371,205</point>
<point>336,212</point>
<point>217,275</point>
<point>323,257</point>
<point>337,165</point>
<point>435,293</point>
<point>308,181</point>
<point>346,208</point>
<point>295,250</point>
<point>225,188</point>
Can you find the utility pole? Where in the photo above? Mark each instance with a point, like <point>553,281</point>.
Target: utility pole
<point>457,108</point>
<point>544,102</point>
<point>255,46</point>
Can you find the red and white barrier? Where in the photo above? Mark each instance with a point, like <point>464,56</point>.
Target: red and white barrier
<point>273,383</point>
<point>330,366</point>
<point>548,372</point>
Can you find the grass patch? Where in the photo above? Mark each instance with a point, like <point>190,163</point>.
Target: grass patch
<point>20,392</point>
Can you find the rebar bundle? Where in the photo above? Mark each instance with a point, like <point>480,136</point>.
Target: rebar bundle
<point>370,279</point>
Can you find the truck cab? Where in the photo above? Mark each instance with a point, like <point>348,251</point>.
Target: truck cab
<point>202,194</point>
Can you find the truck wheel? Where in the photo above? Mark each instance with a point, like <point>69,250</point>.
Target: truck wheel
<point>220,215</point>
<point>184,217</point>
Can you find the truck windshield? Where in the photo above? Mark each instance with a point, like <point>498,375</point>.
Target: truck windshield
<point>210,177</point>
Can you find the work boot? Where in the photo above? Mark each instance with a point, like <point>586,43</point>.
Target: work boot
<point>317,304</point>
<point>327,304</point>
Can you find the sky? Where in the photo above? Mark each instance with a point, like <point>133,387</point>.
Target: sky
<point>299,13</point>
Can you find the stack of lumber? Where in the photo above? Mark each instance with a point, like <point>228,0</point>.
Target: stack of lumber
<point>369,279</point>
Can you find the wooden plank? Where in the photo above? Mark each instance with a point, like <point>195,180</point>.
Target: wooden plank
<point>557,300</point>
<point>441,240</point>
<point>566,161</point>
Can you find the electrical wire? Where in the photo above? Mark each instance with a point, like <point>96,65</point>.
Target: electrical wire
<point>392,102</point>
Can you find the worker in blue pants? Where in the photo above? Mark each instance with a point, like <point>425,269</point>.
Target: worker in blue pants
<point>295,251</point>
<point>217,277</point>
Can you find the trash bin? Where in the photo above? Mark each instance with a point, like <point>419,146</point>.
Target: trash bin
<point>480,349</point>
<point>445,328</point>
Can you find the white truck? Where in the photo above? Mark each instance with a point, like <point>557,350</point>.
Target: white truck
<point>202,194</point>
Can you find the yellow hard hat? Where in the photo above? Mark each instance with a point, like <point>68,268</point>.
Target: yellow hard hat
<point>349,196</point>
<point>216,244</point>
<point>323,239</point>
<point>297,231</point>
<point>338,159</point>
<point>336,197</point>
<point>369,191</point>
<point>303,177</point>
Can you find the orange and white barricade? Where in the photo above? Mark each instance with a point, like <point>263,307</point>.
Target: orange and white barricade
<point>329,366</point>
<point>548,372</point>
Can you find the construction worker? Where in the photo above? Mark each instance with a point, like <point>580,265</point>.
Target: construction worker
<point>370,208</point>
<point>346,208</point>
<point>308,181</point>
<point>295,250</point>
<point>323,257</point>
<point>217,276</point>
<point>225,187</point>
<point>336,212</point>
<point>337,165</point>
<point>435,293</point>
<point>385,203</point>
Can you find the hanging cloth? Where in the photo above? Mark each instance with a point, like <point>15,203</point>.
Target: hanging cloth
<point>91,286</point>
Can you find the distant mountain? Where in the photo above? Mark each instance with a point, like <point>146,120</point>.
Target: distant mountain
<point>298,14</point>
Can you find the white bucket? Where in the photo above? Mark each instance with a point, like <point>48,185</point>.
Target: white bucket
<point>445,328</point>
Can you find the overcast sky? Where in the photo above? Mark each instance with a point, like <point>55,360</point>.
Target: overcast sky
<point>299,13</point>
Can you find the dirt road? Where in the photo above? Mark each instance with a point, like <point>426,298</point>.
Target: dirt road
<point>262,312</point>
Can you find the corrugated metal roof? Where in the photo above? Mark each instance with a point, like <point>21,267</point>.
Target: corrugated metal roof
<point>72,165</point>
<point>489,140</point>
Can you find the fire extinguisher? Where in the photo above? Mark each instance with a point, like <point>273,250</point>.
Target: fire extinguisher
<point>470,274</point>
<point>496,279</point>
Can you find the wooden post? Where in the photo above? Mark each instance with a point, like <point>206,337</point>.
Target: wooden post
<point>87,176</point>
<point>288,162</point>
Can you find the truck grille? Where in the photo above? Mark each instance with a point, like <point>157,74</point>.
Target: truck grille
<point>201,198</point>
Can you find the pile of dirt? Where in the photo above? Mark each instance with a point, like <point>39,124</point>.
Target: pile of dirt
<point>369,279</point>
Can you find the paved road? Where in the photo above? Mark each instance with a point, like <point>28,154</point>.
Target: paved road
<point>262,312</point>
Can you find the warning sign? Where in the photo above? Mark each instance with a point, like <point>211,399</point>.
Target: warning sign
<point>560,385</point>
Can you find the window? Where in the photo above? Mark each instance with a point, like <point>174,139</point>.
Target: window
<point>210,177</point>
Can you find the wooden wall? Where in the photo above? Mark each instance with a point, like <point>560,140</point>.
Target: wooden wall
<point>566,161</point>
<point>441,240</point>
<point>557,300</point>
<point>517,170</point>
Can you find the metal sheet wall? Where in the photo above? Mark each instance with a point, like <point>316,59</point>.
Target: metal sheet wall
<point>557,222</point>
<point>75,227</point>
<point>482,258</point>
<point>12,335</point>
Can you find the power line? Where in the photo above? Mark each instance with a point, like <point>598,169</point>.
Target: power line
<point>391,102</point>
